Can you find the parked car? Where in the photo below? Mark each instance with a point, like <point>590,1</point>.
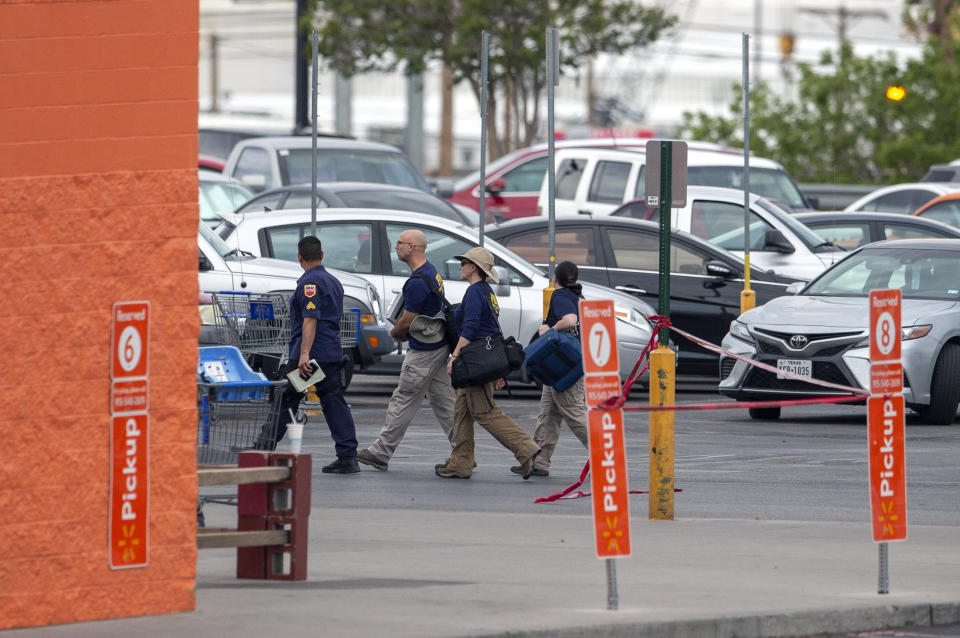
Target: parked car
<point>852,230</point>
<point>219,194</point>
<point>778,242</point>
<point>823,331</point>
<point>597,181</point>
<point>362,240</point>
<point>216,139</point>
<point>944,209</point>
<point>901,198</point>
<point>262,163</point>
<point>943,173</point>
<point>360,195</point>
<point>705,281</point>
<point>513,181</point>
<point>225,268</point>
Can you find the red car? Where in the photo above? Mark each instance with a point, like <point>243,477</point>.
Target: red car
<point>514,180</point>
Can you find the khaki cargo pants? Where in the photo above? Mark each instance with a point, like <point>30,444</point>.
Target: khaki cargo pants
<point>476,404</point>
<point>424,374</point>
<point>569,405</point>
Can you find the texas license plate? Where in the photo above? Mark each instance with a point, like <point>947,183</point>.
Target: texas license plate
<point>801,367</point>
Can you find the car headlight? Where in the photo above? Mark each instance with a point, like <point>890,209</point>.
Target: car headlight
<point>914,332</point>
<point>374,298</point>
<point>740,331</point>
<point>907,333</point>
<point>632,317</point>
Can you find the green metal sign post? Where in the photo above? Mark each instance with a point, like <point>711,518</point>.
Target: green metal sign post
<point>666,183</point>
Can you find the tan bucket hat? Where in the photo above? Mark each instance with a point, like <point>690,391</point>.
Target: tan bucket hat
<point>427,329</point>
<point>482,259</point>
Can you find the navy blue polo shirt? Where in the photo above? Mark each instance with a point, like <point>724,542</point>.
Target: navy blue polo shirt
<point>318,295</point>
<point>419,299</point>
<point>474,317</point>
<point>563,302</point>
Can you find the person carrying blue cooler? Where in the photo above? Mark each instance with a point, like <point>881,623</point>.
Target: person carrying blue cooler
<point>570,404</point>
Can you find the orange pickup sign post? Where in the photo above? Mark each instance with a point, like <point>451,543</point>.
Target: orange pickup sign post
<point>608,458</point>
<point>885,428</point>
<point>129,435</point>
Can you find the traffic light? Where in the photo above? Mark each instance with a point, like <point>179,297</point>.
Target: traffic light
<point>896,93</point>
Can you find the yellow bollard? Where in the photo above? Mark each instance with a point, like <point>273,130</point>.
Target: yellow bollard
<point>748,300</point>
<point>662,391</point>
<point>547,293</point>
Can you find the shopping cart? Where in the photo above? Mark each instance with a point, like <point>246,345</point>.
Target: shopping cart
<point>260,323</point>
<point>237,408</point>
<point>349,327</point>
<point>254,323</point>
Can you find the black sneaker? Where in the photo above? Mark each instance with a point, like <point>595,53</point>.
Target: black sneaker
<point>343,465</point>
<point>367,458</point>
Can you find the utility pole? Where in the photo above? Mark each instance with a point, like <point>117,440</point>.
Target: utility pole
<point>843,16</point>
<point>301,118</point>
<point>214,73</point>
<point>757,39</point>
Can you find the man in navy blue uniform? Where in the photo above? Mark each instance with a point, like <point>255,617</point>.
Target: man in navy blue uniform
<point>424,371</point>
<point>315,311</point>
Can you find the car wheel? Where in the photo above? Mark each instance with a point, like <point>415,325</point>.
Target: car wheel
<point>765,414</point>
<point>944,389</point>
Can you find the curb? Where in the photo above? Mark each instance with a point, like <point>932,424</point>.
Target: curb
<point>793,625</point>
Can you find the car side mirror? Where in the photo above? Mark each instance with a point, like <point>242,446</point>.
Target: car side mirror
<point>205,263</point>
<point>497,186</point>
<point>774,240</point>
<point>719,269</point>
<point>795,287</point>
<point>254,182</point>
<point>503,288</point>
<point>813,202</point>
<point>444,188</point>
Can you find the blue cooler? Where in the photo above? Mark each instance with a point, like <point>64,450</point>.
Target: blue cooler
<point>555,359</point>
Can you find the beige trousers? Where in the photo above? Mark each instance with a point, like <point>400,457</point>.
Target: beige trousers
<point>569,405</point>
<point>424,374</point>
<point>476,404</point>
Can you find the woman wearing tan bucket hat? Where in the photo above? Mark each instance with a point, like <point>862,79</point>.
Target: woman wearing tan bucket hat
<point>477,318</point>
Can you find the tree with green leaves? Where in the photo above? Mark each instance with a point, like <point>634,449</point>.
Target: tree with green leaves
<point>364,35</point>
<point>841,128</point>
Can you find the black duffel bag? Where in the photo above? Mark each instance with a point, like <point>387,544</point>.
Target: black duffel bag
<point>481,361</point>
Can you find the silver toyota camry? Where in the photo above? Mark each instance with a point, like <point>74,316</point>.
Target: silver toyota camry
<point>822,331</point>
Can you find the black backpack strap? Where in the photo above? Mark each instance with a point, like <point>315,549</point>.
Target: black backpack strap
<point>431,284</point>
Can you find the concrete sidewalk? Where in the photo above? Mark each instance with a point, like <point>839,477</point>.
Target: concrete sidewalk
<point>404,573</point>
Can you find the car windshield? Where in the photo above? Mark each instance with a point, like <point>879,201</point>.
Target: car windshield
<point>769,182</point>
<point>414,202</point>
<point>222,248</point>
<point>920,273</point>
<point>349,165</point>
<point>807,236</point>
<point>493,167</point>
<point>221,197</point>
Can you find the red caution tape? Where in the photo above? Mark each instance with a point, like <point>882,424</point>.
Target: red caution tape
<point>615,402</point>
<point>568,493</point>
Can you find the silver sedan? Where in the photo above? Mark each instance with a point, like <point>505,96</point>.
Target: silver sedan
<point>822,332</point>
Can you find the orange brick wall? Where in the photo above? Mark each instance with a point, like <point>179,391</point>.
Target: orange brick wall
<point>98,204</point>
